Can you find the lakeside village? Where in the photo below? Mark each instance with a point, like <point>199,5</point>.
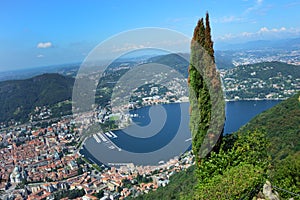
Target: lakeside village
<point>43,161</point>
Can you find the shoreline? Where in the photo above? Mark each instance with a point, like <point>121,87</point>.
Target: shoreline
<point>256,99</point>
<point>229,130</point>
<point>226,100</point>
<point>145,106</point>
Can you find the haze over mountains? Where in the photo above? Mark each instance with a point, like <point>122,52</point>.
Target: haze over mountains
<point>64,69</point>
<point>288,44</point>
<point>224,57</point>
<point>20,97</point>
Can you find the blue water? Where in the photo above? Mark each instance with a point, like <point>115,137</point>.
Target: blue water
<point>238,113</point>
<point>160,138</point>
<point>157,127</point>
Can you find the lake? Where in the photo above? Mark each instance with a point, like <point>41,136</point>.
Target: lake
<point>161,132</point>
<point>238,113</point>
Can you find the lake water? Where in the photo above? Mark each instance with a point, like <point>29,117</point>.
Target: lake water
<point>161,132</point>
<point>238,113</point>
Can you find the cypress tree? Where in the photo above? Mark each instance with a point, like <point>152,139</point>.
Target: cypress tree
<point>208,42</point>
<point>199,33</point>
<point>200,103</point>
<point>199,40</point>
<point>202,79</point>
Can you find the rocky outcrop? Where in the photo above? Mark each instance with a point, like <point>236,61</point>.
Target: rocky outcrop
<point>267,193</point>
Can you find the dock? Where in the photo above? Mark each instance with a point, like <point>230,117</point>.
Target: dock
<point>113,134</point>
<point>108,135</point>
<point>96,138</point>
<point>102,137</point>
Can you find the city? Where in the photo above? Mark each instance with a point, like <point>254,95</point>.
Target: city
<point>39,163</point>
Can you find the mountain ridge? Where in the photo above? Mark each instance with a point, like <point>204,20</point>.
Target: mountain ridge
<point>20,97</point>
<point>290,43</point>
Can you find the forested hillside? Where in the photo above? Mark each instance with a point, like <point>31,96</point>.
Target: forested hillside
<point>19,97</point>
<point>267,80</point>
<point>259,151</point>
<point>178,62</point>
<point>282,126</point>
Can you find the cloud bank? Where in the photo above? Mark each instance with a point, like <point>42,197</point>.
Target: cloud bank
<point>44,45</point>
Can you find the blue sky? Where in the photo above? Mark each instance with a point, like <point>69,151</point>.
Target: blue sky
<point>39,33</point>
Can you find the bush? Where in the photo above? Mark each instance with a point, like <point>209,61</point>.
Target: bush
<point>241,181</point>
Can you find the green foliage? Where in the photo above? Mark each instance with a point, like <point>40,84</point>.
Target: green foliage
<point>234,171</point>
<point>106,84</point>
<point>262,79</point>
<point>61,108</point>
<point>80,161</point>
<point>243,163</point>
<point>250,148</point>
<point>266,70</point>
<point>267,134</point>
<point>286,175</point>
<point>71,194</point>
<point>199,94</point>
<point>200,116</point>
<point>205,93</point>
<point>99,195</point>
<point>126,183</point>
<point>143,179</point>
<point>79,171</point>
<point>181,186</point>
<point>237,182</point>
<point>19,97</point>
<point>208,42</point>
<point>282,125</point>
<point>176,61</point>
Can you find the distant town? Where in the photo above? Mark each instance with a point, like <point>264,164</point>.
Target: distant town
<point>261,81</point>
<point>246,57</point>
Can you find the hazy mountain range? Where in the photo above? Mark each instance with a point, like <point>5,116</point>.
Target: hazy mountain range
<point>288,44</point>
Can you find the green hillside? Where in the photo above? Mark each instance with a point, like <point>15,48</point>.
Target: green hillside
<point>282,125</point>
<point>262,80</point>
<point>181,185</point>
<point>224,59</point>
<point>266,70</point>
<point>267,148</point>
<point>177,61</point>
<point>19,97</point>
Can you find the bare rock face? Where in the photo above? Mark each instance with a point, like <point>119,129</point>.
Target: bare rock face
<point>268,193</point>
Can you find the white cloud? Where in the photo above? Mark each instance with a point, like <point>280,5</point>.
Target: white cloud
<point>40,56</point>
<point>44,45</point>
<point>263,32</point>
<point>246,34</point>
<point>229,19</point>
<point>282,29</point>
<point>274,30</point>
<point>263,29</point>
<point>127,47</point>
<point>256,6</point>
